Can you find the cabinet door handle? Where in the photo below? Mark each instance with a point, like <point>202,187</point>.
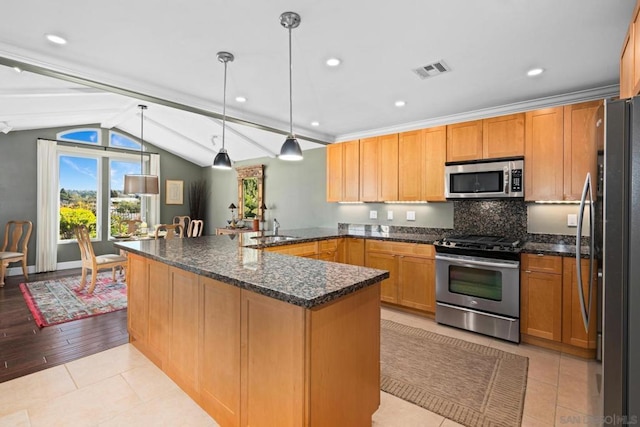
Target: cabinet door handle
<point>527,271</point>
<point>540,254</point>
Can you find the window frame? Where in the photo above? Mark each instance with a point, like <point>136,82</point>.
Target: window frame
<point>144,202</point>
<point>91,152</point>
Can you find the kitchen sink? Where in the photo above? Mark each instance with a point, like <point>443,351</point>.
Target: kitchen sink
<point>273,239</point>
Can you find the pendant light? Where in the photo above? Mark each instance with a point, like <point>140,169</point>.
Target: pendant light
<point>142,183</point>
<point>222,160</point>
<point>290,149</point>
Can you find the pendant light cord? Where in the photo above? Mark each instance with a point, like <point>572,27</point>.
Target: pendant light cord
<point>224,103</point>
<point>142,107</point>
<point>290,88</point>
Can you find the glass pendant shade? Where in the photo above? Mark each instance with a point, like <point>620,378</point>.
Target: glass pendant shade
<point>291,149</point>
<point>222,160</point>
<point>141,184</point>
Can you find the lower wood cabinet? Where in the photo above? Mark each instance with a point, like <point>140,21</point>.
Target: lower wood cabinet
<point>550,306</point>
<point>411,267</point>
<point>573,331</point>
<point>326,250</point>
<point>353,251</point>
<point>248,359</point>
<point>541,296</point>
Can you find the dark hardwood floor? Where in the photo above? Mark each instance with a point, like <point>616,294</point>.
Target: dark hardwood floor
<point>25,348</point>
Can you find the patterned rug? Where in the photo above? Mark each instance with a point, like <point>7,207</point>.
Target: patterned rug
<point>469,383</point>
<point>58,301</point>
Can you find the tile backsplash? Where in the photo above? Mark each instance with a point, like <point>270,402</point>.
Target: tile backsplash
<point>491,217</point>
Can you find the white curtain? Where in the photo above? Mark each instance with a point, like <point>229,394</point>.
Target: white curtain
<point>47,217</point>
<point>154,201</point>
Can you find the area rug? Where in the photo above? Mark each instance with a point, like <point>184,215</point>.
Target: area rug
<point>58,300</point>
<point>469,383</point>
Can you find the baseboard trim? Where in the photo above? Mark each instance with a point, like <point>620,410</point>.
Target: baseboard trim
<point>31,269</point>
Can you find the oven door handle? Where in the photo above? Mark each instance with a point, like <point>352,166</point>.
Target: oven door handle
<point>474,263</point>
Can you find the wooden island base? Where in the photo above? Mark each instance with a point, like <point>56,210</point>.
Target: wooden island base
<point>249,359</point>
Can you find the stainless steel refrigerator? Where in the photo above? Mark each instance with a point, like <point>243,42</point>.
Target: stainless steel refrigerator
<point>621,264</point>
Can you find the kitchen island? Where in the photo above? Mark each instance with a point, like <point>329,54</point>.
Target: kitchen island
<point>258,338</point>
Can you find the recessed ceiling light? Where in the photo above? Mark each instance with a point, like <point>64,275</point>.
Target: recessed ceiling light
<point>17,69</point>
<point>241,99</point>
<point>315,123</point>
<point>400,103</point>
<point>333,62</point>
<point>535,72</point>
<point>56,39</point>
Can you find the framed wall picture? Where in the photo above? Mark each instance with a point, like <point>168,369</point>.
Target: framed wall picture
<point>174,192</point>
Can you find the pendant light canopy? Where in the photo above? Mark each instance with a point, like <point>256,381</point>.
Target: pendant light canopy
<point>222,160</point>
<point>142,183</point>
<point>290,149</point>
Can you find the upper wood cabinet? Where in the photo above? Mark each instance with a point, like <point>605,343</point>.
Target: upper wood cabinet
<point>421,158</point>
<point>630,58</point>
<point>583,130</point>
<point>543,165</point>
<point>561,146</point>
<point>491,138</point>
<point>343,172</point>
<point>627,65</point>
<point>464,141</point>
<point>503,136</point>
<point>379,168</point>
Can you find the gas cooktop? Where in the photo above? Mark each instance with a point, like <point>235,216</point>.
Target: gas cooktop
<point>473,244</point>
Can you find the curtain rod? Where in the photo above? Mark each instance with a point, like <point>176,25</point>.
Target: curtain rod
<point>98,147</point>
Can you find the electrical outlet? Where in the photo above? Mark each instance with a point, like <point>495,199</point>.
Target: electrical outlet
<point>389,215</point>
<point>373,214</point>
<point>411,215</point>
<point>572,220</point>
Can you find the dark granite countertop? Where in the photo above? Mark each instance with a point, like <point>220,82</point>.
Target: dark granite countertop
<point>299,281</point>
<point>554,249</point>
<point>319,233</point>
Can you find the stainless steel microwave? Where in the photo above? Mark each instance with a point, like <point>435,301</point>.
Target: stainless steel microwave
<point>485,179</point>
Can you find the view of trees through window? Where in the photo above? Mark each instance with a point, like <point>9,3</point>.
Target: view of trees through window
<point>122,206</point>
<point>79,192</point>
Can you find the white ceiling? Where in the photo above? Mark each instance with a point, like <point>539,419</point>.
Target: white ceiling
<point>167,49</point>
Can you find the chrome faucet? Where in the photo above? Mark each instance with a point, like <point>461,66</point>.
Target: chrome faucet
<point>276,226</point>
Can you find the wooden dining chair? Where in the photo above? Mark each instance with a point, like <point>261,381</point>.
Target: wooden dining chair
<point>132,225</point>
<point>183,221</point>
<point>95,263</point>
<point>171,230</point>
<point>15,246</point>
<point>195,228</point>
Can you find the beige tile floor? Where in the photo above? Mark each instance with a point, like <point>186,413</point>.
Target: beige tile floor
<point>120,387</point>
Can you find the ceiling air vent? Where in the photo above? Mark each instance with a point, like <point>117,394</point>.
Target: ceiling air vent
<point>432,70</point>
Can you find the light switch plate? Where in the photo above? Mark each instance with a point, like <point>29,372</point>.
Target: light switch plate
<point>411,215</point>
<point>572,220</point>
<point>389,215</point>
<point>373,214</point>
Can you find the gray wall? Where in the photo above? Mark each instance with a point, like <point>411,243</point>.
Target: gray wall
<point>295,193</point>
<point>18,185</point>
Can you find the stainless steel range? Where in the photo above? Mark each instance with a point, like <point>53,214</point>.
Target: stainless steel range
<point>478,284</point>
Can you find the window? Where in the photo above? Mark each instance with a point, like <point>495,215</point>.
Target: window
<point>79,188</point>
<point>120,141</point>
<point>122,206</point>
<point>86,136</point>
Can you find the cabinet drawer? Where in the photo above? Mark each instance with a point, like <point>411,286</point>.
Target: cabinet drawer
<point>399,248</point>
<point>297,249</point>
<point>328,245</point>
<point>542,263</point>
